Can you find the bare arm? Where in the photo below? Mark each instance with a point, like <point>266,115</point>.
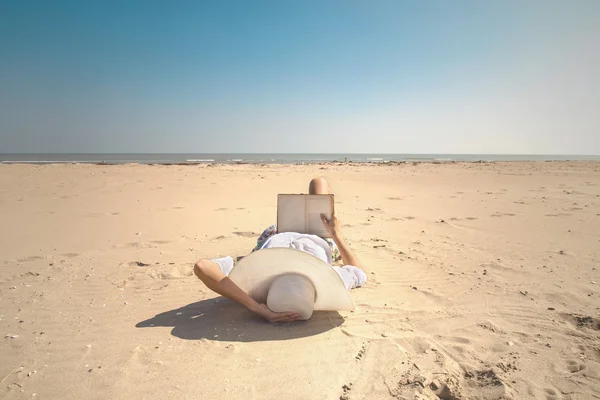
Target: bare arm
<point>209,272</point>
<point>333,227</point>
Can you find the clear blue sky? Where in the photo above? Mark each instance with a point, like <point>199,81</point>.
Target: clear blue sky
<point>300,76</point>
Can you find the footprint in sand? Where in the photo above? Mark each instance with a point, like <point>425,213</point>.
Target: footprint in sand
<point>98,214</point>
<point>160,241</point>
<point>30,258</point>
<point>483,384</point>
<point>138,264</point>
<point>245,234</point>
<point>575,366</point>
<point>551,394</point>
<point>459,219</point>
<point>499,214</point>
<point>346,391</point>
<point>589,351</point>
<point>361,352</point>
<point>582,322</point>
<point>175,272</point>
<point>136,245</point>
<point>376,239</point>
<point>70,255</point>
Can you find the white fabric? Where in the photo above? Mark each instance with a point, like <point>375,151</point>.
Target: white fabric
<point>352,276</point>
<point>225,263</point>
<point>311,244</point>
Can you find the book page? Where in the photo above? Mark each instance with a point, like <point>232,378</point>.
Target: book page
<point>315,206</point>
<point>291,213</point>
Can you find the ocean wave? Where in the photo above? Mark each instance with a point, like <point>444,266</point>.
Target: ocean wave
<point>200,160</point>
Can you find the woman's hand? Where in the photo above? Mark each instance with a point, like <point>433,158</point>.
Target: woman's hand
<point>333,225</point>
<point>272,316</point>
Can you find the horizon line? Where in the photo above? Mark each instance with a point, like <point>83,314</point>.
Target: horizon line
<point>349,153</point>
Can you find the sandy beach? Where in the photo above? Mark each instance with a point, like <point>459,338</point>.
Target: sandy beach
<point>483,283</point>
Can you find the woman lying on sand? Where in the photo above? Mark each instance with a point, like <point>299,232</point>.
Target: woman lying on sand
<point>214,273</point>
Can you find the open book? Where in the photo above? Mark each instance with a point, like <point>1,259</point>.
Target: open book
<point>302,213</point>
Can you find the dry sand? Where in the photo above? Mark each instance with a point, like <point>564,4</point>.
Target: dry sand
<point>483,283</point>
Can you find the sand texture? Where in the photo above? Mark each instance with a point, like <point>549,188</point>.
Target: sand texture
<point>483,283</point>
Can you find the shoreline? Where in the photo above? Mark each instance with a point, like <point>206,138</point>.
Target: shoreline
<point>299,163</point>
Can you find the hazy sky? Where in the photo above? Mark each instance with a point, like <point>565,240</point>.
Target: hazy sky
<point>300,76</point>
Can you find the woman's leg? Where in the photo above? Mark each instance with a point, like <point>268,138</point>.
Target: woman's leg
<point>318,186</point>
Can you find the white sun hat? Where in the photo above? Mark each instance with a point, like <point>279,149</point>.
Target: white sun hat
<point>282,278</point>
<point>291,292</point>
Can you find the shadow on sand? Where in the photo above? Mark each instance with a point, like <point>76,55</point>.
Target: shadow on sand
<point>222,319</point>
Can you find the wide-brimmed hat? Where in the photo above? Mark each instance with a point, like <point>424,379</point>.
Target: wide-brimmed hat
<point>256,273</point>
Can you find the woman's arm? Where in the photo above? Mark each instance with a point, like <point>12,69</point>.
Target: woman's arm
<point>333,226</point>
<point>209,272</point>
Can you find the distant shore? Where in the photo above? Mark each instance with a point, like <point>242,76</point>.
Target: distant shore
<point>286,159</point>
<point>308,163</point>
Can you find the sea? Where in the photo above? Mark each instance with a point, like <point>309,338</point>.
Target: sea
<point>272,158</point>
